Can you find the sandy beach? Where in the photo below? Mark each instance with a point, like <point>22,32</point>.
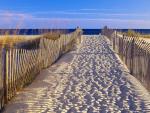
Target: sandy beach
<point>89,79</point>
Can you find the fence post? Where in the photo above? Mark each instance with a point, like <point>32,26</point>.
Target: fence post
<point>147,74</point>
<point>123,48</point>
<point>132,57</point>
<point>114,42</point>
<point>4,74</point>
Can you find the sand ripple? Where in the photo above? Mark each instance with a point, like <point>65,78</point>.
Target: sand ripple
<point>94,81</point>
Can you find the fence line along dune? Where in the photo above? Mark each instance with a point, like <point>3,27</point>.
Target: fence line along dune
<point>134,52</point>
<point>22,59</point>
<point>9,38</point>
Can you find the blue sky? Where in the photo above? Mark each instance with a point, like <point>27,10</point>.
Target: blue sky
<point>72,13</point>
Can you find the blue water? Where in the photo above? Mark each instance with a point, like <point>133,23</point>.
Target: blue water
<point>141,31</point>
<point>41,31</point>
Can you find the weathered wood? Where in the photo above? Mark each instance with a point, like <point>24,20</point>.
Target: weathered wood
<point>136,55</point>
<point>4,77</point>
<point>21,62</point>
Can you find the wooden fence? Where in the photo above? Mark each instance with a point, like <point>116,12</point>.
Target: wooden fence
<point>20,64</point>
<point>135,53</point>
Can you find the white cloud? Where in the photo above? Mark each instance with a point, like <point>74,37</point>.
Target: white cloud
<point>24,20</point>
<point>9,14</point>
<point>108,9</point>
<point>89,9</point>
<point>91,13</point>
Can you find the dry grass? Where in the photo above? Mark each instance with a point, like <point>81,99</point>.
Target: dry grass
<point>145,36</point>
<point>132,33</point>
<point>53,35</point>
<point>11,39</point>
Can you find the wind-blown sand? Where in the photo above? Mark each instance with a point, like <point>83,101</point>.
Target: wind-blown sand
<point>90,79</point>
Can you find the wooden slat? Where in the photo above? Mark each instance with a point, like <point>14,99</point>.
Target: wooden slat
<point>135,53</point>
<point>7,74</point>
<point>21,63</point>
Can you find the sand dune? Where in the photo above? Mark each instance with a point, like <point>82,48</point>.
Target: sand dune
<point>90,79</point>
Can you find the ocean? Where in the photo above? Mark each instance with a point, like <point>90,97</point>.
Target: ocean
<point>41,31</point>
<point>141,31</point>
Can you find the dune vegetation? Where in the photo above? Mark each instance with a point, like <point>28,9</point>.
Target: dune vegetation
<point>133,33</point>
<point>52,35</point>
<point>11,39</point>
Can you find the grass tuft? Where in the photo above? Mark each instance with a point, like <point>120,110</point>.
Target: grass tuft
<point>53,35</point>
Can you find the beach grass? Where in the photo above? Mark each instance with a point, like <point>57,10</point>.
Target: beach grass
<point>132,33</point>
<point>11,39</point>
<point>54,35</point>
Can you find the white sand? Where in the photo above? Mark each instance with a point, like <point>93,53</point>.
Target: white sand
<point>91,79</point>
<point>146,39</point>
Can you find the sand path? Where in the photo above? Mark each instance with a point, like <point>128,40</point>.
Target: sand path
<point>90,79</point>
